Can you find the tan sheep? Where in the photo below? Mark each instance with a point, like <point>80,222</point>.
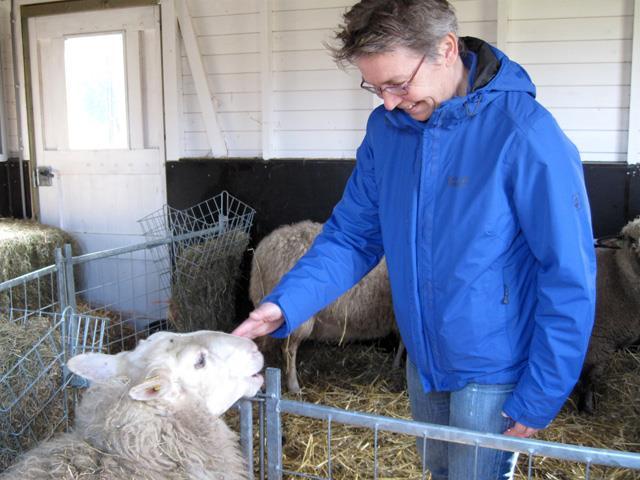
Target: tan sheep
<point>362,313</point>
<point>154,413</point>
<point>617,322</point>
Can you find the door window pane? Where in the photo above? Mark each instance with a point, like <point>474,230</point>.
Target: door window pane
<point>96,95</point>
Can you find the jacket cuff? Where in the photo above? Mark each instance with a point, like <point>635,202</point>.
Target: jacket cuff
<point>286,328</point>
<point>518,412</point>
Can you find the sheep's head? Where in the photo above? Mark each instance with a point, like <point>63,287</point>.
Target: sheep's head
<point>171,369</point>
<point>631,234</point>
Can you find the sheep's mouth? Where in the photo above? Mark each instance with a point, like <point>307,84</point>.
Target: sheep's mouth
<point>259,372</point>
<point>258,377</point>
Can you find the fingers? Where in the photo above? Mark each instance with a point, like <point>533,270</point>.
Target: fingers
<point>521,431</point>
<point>267,312</point>
<point>248,328</point>
<point>262,321</point>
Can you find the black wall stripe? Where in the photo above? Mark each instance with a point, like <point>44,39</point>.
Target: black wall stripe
<point>286,191</point>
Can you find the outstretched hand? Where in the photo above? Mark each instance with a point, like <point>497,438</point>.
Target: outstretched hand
<point>262,321</point>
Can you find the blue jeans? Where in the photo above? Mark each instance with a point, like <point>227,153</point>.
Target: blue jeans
<point>475,407</point>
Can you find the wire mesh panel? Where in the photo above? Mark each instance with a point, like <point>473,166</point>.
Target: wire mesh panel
<point>38,290</point>
<point>202,260</point>
<point>35,401</point>
<point>123,285</point>
<point>223,221</point>
<point>32,399</point>
<point>200,233</point>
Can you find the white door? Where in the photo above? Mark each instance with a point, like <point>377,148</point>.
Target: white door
<point>97,104</point>
<point>96,83</point>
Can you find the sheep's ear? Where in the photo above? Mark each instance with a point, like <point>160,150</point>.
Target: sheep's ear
<point>151,388</point>
<point>95,366</point>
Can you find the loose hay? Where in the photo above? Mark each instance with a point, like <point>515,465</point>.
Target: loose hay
<point>26,246</point>
<point>360,377</point>
<point>38,412</point>
<point>203,294</point>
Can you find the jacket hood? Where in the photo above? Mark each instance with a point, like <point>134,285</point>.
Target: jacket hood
<point>491,74</point>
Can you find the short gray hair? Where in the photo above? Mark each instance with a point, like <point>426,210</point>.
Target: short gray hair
<point>379,26</point>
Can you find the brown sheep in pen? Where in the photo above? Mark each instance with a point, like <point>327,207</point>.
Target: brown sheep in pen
<point>617,322</point>
<point>362,313</point>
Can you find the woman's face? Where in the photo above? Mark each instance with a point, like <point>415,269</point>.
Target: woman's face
<point>433,83</point>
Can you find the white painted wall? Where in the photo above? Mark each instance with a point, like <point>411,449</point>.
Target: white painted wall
<point>578,53</point>
<point>319,111</point>
<point>228,32</point>
<point>6,70</point>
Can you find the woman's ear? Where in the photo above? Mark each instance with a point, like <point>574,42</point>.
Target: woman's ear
<point>449,49</point>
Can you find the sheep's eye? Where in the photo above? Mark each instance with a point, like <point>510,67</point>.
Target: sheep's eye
<point>202,361</point>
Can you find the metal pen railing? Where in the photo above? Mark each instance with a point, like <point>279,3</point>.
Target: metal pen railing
<point>276,406</point>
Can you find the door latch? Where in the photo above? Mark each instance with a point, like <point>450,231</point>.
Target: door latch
<point>44,176</point>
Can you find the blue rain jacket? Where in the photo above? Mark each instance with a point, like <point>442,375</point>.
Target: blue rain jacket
<point>484,220</point>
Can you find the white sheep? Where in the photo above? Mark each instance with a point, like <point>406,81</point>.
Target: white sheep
<point>154,413</point>
<point>617,320</point>
<point>364,312</point>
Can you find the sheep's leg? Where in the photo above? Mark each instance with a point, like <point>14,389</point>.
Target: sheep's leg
<point>290,353</point>
<point>586,396</point>
<point>398,358</point>
<point>588,400</point>
<point>591,379</point>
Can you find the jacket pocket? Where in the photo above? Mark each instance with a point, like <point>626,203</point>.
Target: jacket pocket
<point>474,335</point>
<point>511,305</point>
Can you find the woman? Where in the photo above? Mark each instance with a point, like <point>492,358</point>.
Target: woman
<point>477,199</point>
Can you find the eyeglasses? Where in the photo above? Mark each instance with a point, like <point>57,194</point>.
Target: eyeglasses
<point>399,90</point>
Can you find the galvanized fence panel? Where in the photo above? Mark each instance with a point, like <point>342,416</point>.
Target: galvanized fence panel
<point>35,398</point>
<point>124,285</point>
<point>534,449</point>
<point>39,290</point>
<point>32,384</point>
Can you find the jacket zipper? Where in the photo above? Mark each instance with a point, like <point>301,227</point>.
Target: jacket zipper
<point>505,298</point>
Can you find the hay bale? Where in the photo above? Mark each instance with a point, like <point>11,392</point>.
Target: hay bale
<point>26,246</point>
<point>203,294</point>
<point>37,414</point>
